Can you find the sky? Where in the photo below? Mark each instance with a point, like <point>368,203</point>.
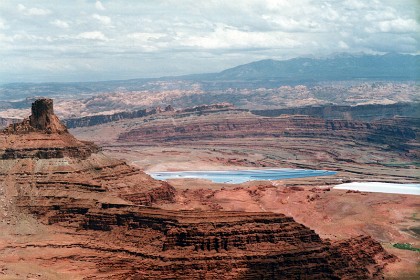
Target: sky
<point>89,40</point>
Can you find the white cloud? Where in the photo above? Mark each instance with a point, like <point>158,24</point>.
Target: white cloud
<point>396,26</point>
<point>355,4</point>
<point>146,36</point>
<point>293,25</point>
<point>3,25</point>
<point>60,23</point>
<point>5,38</point>
<point>399,25</point>
<point>21,7</point>
<point>99,6</point>
<point>148,42</point>
<point>103,19</point>
<point>225,37</point>
<point>93,35</point>
<point>33,11</point>
<point>379,15</point>
<point>343,45</point>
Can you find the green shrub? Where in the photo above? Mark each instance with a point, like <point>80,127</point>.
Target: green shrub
<point>406,246</point>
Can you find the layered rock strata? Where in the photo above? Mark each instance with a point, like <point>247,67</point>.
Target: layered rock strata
<point>395,133</point>
<point>160,244</point>
<point>100,204</point>
<point>364,113</point>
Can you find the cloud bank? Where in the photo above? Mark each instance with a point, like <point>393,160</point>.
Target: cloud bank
<point>99,40</point>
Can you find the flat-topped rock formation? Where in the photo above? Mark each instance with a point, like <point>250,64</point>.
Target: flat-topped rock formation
<point>98,222</point>
<point>42,135</point>
<point>102,119</point>
<point>42,119</point>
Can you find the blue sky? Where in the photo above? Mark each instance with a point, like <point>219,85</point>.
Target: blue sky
<point>83,40</point>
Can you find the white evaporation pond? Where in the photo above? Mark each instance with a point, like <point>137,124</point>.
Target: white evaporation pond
<point>381,187</point>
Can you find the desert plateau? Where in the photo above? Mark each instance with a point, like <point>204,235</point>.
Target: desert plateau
<point>233,140</point>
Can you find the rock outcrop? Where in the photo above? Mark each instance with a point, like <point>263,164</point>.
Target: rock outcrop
<point>43,136</point>
<point>42,119</point>
<point>102,206</point>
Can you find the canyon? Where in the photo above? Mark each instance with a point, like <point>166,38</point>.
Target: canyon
<point>70,211</point>
<point>385,149</point>
<point>381,149</point>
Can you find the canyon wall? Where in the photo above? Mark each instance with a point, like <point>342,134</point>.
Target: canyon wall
<point>102,119</point>
<point>369,112</point>
<point>395,133</point>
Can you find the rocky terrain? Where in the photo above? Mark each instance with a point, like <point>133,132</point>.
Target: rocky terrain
<point>70,212</point>
<point>185,94</point>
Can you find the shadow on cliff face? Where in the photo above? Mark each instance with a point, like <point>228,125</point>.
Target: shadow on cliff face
<point>356,258</point>
<point>289,269</point>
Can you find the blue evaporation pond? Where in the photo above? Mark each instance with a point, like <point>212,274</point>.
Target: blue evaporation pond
<point>241,176</point>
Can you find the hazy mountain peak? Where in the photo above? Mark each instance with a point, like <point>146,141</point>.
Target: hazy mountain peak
<point>340,66</point>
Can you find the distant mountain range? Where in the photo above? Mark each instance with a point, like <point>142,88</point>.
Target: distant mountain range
<point>265,73</point>
<point>390,66</point>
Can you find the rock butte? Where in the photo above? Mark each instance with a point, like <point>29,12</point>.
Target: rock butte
<point>107,212</point>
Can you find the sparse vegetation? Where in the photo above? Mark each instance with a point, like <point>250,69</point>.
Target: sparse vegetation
<point>406,246</point>
<point>402,164</point>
